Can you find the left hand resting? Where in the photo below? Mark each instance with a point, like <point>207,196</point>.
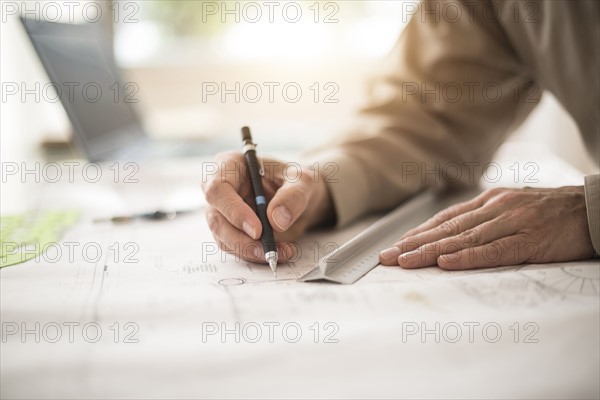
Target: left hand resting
<point>500,227</point>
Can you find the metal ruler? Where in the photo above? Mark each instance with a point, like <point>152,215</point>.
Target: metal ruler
<point>359,255</point>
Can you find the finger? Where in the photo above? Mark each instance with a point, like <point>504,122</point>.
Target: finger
<point>223,197</point>
<point>428,254</point>
<point>509,250</point>
<point>227,168</point>
<point>289,202</point>
<point>446,215</point>
<point>446,229</point>
<point>232,239</point>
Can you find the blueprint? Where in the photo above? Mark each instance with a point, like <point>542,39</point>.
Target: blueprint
<point>172,296</point>
<point>155,309</point>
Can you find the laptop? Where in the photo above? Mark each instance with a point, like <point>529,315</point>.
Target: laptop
<point>79,61</point>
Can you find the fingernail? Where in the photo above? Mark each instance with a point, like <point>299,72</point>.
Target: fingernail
<point>249,229</point>
<point>258,253</point>
<point>282,217</point>
<point>390,254</point>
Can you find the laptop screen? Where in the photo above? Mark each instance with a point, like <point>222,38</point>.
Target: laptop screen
<point>81,68</point>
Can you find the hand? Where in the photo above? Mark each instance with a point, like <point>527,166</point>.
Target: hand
<point>500,227</point>
<point>297,199</point>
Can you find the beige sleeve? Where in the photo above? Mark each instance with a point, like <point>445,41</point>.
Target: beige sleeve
<point>451,94</point>
<point>592,203</point>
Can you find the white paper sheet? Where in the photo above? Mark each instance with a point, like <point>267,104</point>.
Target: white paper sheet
<point>177,319</point>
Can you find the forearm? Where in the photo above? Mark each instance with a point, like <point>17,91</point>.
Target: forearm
<point>411,135</point>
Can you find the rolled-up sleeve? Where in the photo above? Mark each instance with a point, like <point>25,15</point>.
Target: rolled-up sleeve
<point>592,203</point>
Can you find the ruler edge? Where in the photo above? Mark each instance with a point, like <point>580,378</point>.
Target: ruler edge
<point>428,195</point>
<point>423,195</point>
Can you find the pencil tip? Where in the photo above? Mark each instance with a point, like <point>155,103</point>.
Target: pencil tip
<point>273,265</point>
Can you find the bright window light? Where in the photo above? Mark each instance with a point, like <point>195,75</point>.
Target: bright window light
<point>307,31</point>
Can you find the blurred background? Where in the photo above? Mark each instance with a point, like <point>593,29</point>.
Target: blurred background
<point>203,68</point>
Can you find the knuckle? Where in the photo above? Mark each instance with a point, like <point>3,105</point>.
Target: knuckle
<point>214,221</point>
<point>448,228</point>
<point>443,215</point>
<point>211,191</point>
<point>518,215</point>
<point>455,209</point>
<point>494,192</point>
<point>471,236</point>
<point>440,217</point>
<point>502,198</point>
<point>507,197</point>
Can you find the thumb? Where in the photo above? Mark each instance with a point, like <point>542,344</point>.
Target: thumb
<point>288,204</point>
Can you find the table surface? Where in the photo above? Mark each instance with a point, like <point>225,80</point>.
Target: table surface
<point>153,309</point>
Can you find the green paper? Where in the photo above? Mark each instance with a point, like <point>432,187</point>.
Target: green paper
<point>24,236</point>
